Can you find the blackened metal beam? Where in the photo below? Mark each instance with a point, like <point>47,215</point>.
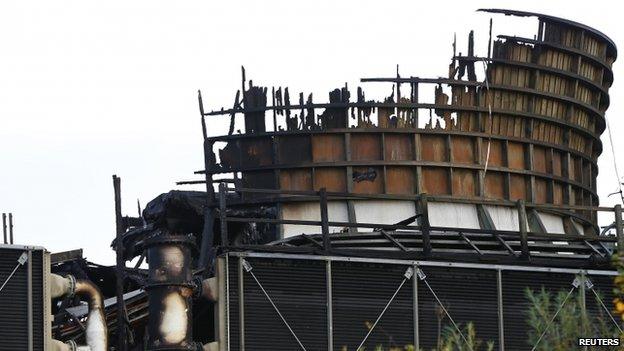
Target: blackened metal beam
<point>223,215</point>
<point>394,241</point>
<point>522,227</point>
<point>120,268</point>
<point>206,252</point>
<point>11,227</point>
<point>424,225</point>
<point>467,240</point>
<point>4,228</point>
<point>619,228</point>
<point>324,219</point>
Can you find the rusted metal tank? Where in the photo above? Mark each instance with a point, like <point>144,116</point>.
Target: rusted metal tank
<point>529,130</point>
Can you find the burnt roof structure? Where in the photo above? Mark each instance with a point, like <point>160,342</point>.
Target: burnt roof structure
<point>510,157</point>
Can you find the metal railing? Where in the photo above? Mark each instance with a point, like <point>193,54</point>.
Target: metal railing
<point>421,217</point>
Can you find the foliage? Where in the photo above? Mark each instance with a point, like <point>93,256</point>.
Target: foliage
<point>571,323</point>
<point>618,282</point>
<point>453,341</point>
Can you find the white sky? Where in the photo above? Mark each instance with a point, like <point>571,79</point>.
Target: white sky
<point>93,88</point>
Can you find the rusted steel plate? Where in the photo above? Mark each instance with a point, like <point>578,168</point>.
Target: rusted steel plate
<point>464,183</point>
<point>463,149</point>
<point>328,148</point>
<point>365,147</point>
<point>333,179</point>
<point>296,179</point>
<point>369,185</point>
<point>433,148</point>
<point>400,180</point>
<point>435,181</point>
<point>399,147</point>
<point>495,185</point>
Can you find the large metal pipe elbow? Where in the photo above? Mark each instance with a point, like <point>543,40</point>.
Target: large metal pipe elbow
<point>56,345</point>
<point>62,286</point>
<point>96,329</point>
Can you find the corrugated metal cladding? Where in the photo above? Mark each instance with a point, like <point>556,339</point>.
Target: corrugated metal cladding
<point>360,290</point>
<point>469,295</point>
<point>14,301</point>
<point>297,288</point>
<point>359,293</point>
<point>515,305</point>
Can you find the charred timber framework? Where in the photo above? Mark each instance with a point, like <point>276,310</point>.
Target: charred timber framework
<point>415,238</point>
<point>530,130</point>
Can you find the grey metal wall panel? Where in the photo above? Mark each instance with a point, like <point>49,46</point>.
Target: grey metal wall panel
<point>14,301</point>
<point>298,290</point>
<point>515,304</point>
<point>469,295</point>
<point>360,292</point>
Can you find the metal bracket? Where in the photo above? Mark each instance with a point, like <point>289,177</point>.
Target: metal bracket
<point>22,259</point>
<point>421,274</point>
<point>576,283</point>
<point>247,266</point>
<point>409,273</point>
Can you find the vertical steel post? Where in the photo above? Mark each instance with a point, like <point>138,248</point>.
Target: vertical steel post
<point>206,247</point>
<point>4,228</point>
<point>330,309</point>
<point>120,267</point>
<point>324,219</point>
<point>11,227</point>
<point>522,228</point>
<point>241,303</point>
<point>619,228</point>
<point>223,215</point>
<point>582,278</point>
<point>424,225</point>
<point>501,321</point>
<point>415,303</point>
<point>30,302</point>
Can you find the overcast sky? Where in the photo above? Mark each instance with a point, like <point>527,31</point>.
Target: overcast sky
<point>94,88</point>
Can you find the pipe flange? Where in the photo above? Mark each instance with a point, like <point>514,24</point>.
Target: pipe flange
<point>72,345</point>
<point>168,239</point>
<point>163,239</point>
<point>195,346</point>
<point>72,285</point>
<point>151,285</point>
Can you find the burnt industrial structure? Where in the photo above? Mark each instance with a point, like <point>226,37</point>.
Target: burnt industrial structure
<point>355,223</point>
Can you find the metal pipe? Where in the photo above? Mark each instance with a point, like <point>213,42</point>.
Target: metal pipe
<point>97,329</point>
<point>56,345</point>
<point>170,292</point>
<point>213,346</point>
<point>61,286</point>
